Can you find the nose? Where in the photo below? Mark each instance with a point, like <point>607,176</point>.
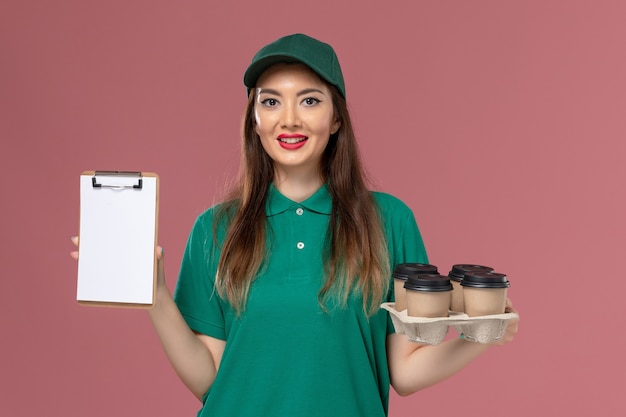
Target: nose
<point>290,116</point>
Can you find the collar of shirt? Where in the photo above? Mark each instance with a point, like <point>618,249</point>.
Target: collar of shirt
<point>319,202</point>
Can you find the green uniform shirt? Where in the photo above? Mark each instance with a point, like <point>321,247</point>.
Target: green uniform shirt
<point>286,356</point>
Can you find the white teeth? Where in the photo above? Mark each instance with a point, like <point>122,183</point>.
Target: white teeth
<point>291,140</point>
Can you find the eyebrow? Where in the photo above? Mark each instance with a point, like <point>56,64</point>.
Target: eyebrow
<point>299,93</point>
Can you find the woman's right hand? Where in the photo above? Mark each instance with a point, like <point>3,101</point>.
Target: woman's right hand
<point>195,357</point>
<point>160,267</point>
<point>159,256</point>
<point>74,253</point>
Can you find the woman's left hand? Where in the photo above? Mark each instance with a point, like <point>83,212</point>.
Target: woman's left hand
<point>512,326</point>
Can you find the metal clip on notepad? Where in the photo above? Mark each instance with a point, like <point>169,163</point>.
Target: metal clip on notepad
<point>124,175</point>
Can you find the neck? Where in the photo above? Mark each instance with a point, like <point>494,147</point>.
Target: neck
<point>297,186</point>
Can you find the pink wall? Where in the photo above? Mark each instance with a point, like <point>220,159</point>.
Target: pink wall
<point>501,124</point>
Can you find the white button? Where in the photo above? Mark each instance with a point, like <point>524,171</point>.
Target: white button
<point>300,245</point>
<point>299,211</point>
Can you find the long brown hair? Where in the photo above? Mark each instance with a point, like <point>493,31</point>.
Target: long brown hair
<point>356,258</point>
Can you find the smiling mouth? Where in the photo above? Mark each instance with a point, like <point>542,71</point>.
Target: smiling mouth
<point>292,141</point>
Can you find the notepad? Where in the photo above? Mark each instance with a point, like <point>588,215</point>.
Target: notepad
<point>118,237</point>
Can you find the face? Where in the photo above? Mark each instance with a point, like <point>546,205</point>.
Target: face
<point>294,118</point>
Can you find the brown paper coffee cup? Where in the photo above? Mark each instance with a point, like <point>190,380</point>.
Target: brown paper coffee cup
<point>456,275</point>
<point>456,298</point>
<point>484,301</point>
<point>484,293</point>
<point>427,304</point>
<point>401,274</point>
<point>400,294</point>
<point>428,295</point>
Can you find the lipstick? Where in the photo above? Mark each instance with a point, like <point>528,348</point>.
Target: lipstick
<point>291,141</point>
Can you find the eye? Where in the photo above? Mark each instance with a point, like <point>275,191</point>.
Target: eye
<point>310,101</point>
<point>269,102</point>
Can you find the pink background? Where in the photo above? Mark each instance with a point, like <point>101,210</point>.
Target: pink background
<point>500,123</point>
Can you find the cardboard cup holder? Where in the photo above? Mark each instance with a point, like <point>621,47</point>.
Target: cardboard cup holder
<point>432,331</point>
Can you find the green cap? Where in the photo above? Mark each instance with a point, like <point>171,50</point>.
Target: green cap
<point>318,56</point>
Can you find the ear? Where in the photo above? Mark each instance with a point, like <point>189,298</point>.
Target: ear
<point>335,127</point>
<point>255,124</point>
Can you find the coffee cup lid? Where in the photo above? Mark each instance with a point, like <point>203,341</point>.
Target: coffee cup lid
<point>405,270</point>
<point>458,271</point>
<point>428,283</point>
<point>485,279</point>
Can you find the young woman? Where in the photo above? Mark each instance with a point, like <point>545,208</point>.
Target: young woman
<point>276,309</point>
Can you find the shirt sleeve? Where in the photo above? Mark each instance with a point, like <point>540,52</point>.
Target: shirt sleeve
<point>404,240</point>
<point>410,247</point>
<point>195,292</point>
